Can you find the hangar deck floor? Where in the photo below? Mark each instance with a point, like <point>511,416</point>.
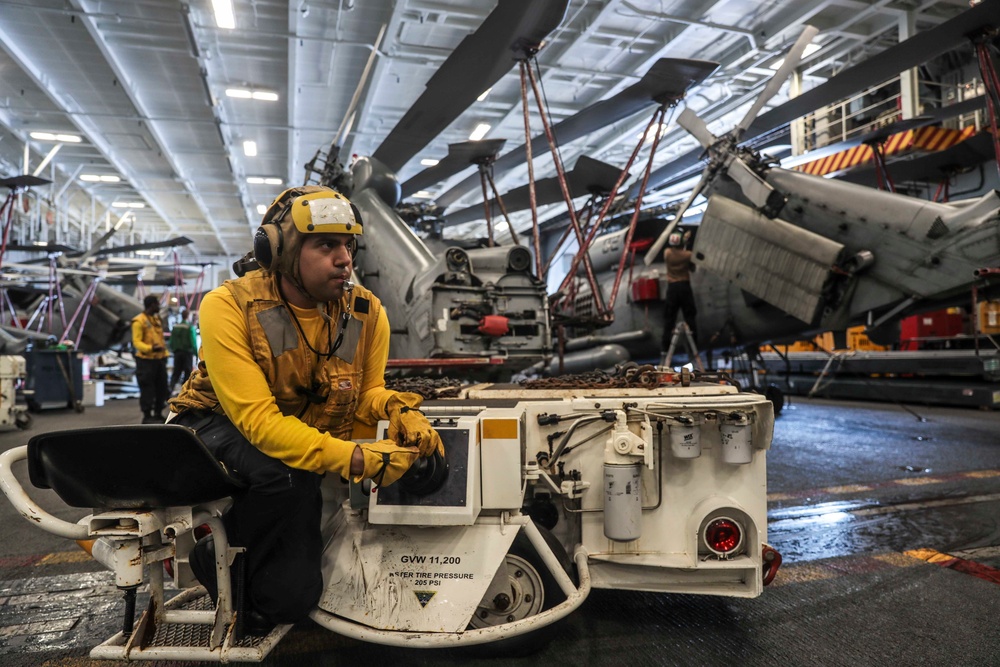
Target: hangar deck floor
<point>863,501</point>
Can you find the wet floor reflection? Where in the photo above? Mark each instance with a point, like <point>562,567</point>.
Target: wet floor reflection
<point>835,529</point>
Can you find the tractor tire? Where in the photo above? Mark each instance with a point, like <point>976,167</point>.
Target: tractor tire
<point>533,590</point>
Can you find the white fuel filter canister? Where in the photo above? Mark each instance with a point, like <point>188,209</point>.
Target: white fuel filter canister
<point>685,439</point>
<point>622,501</point>
<point>737,440</point>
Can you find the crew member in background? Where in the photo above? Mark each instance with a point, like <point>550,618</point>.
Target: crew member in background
<point>184,345</point>
<point>680,297</point>
<point>292,357</point>
<point>150,361</point>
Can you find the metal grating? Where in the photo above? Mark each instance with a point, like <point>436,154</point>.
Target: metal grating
<point>194,634</point>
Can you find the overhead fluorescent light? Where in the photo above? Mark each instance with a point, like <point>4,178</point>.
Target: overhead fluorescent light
<point>422,194</point>
<point>484,95</point>
<point>224,16</point>
<point>100,178</point>
<point>479,132</point>
<point>273,181</point>
<point>248,94</point>
<point>261,209</point>
<point>50,136</point>
<point>428,162</point>
<point>260,180</point>
<point>128,204</point>
<point>151,253</point>
<point>250,148</point>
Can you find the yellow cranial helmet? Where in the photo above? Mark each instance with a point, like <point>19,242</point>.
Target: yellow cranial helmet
<point>307,209</point>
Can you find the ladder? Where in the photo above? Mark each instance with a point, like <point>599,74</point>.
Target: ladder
<point>679,330</point>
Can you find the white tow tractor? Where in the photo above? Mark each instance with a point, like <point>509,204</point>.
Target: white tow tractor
<point>544,494</point>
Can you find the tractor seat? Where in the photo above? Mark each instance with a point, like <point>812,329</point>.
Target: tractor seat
<point>128,467</point>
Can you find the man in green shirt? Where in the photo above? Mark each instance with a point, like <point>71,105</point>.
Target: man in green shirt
<point>184,347</point>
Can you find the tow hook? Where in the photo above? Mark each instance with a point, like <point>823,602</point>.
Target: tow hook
<point>771,561</point>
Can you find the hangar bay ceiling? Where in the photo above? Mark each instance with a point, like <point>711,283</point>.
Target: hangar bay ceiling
<point>149,108</point>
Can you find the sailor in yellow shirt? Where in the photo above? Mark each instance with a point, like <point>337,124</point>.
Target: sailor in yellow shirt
<point>292,355</point>
<point>150,361</point>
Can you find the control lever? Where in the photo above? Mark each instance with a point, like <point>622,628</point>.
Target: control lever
<point>425,476</point>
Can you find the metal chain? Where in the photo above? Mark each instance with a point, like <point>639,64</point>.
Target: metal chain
<point>628,375</point>
<point>429,388</point>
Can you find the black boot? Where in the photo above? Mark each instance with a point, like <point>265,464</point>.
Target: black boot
<point>202,560</point>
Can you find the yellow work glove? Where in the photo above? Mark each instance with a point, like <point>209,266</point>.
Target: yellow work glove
<point>408,426</point>
<point>385,461</point>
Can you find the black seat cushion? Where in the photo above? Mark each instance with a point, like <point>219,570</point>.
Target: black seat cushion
<point>128,467</point>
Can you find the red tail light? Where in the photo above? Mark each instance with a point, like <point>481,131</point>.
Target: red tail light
<point>723,536</point>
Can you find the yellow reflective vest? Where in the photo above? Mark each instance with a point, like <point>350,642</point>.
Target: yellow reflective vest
<point>147,331</point>
<point>293,403</point>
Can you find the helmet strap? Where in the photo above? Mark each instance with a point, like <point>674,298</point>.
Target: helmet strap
<point>297,284</point>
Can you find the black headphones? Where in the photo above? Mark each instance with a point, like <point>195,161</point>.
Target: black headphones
<point>268,240</point>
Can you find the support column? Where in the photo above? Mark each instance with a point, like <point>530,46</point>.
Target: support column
<point>797,127</point>
<point>908,84</point>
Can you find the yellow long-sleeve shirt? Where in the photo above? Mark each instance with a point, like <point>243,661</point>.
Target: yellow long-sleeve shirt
<point>244,394</point>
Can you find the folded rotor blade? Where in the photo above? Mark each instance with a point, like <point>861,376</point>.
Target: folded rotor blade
<point>884,132</point>
<point>97,245</point>
<point>933,167</point>
<point>767,200</point>
<point>788,66</point>
<point>460,156</point>
<point>589,176</point>
<point>666,82</point>
<point>152,245</point>
<point>48,247</point>
<point>134,280</point>
<point>875,136</point>
<point>24,181</point>
<point>478,62</point>
<point>696,127</point>
<point>60,270</point>
<point>653,254</point>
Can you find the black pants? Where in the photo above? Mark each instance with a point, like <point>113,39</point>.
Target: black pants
<point>182,367</point>
<point>277,520</point>
<point>679,298</point>
<point>151,375</point>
